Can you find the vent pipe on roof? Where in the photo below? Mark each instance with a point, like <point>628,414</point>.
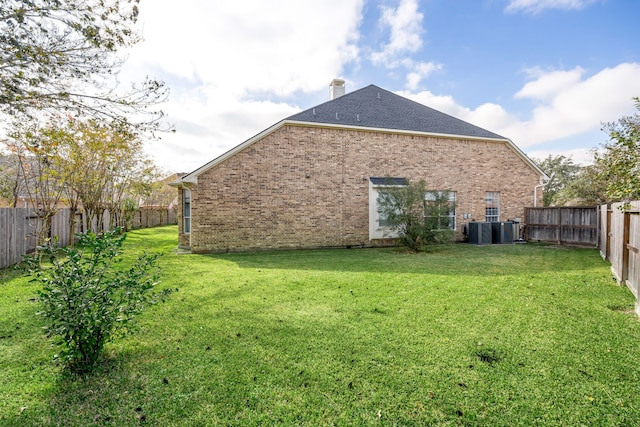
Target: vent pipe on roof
<point>336,89</point>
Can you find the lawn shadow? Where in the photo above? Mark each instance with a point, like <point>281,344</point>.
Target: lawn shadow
<point>101,397</point>
<point>446,260</point>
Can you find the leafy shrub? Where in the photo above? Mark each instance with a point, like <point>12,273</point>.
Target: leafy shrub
<point>86,300</point>
<point>416,221</point>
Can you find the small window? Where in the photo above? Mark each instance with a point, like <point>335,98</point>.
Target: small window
<point>186,211</point>
<point>441,205</point>
<point>492,209</point>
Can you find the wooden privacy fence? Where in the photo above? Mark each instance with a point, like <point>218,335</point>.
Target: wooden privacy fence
<point>622,244</point>
<point>146,217</point>
<point>19,228</point>
<point>615,231</point>
<point>563,225</point>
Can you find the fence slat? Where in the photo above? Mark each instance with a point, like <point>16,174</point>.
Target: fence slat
<point>572,225</point>
<point>19,228</point>
<point>623,245</point>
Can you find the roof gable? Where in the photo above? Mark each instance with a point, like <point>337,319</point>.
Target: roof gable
<point>374,107</point>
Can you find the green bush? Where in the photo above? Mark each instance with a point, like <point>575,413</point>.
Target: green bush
<point>86,300</point>
<point>417,221</point>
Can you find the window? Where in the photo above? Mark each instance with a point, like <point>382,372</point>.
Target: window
<point>382,218</point>
<point>186,210</point>
<point>378,225</point>
<point>441,206</point>
<point>492,209</point>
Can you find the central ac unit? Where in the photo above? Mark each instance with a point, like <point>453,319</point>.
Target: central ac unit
<point>480,233</point>
<point>502,232</point>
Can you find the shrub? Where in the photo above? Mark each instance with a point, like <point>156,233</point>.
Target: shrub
<point>86,300</point>
<point>416,220</point>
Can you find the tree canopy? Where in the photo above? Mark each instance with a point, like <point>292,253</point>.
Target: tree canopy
<point>619,162</point>
<point>101,166</point>
<point>561,171</point>
<point>586,189</point>
<point>64,55</point>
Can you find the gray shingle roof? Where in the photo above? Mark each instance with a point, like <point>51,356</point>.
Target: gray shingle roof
<point>374,107</point>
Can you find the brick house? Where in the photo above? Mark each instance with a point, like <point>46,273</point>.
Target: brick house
<point>311,180</point>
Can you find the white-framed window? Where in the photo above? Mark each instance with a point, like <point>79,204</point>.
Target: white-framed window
<point>492,206</point>
<point>443,204</point>
<point>186,210</point>
<point>378,227</point>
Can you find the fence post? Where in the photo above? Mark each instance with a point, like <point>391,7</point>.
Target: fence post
<point>624,274</point>
<point>559,228</point>
<point>609,211</point>
<point>599,229</point>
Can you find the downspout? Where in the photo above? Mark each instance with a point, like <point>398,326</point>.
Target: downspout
<point>535,194</point>
<point>543,182</point>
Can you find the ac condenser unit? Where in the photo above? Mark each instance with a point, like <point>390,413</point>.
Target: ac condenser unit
<point>480,233</point>
<point>502,232</point>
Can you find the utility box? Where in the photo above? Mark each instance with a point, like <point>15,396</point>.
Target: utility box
<point>502,232</point>
<point>480,233</point>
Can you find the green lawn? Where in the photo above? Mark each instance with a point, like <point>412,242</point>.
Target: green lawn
<point>461,335</point>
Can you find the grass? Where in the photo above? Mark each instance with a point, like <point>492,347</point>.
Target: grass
<point>460,335</point>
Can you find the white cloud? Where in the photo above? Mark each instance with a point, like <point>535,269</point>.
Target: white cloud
<point>489,116</point>
<point>405,37</point>
<point>569,105</point>
<point>580,156</point>
<point>573,106</point>
<point>547,84</point>
<point>213,41</point>
<point>209,123</point>
<point>405,27</point>
<point>218,64</point>
<point>420,70</point>
<point>536,6</point>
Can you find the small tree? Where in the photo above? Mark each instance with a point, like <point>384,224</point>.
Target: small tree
<point>11,184</point>
<point>37,149</point>
<point>87,301</point>
<point>107,169</point>
<point>417,223</point>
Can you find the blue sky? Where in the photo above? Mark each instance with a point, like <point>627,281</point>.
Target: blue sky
<point>544,73</point>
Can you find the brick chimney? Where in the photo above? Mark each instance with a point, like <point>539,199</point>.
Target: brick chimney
<point>336,89</point>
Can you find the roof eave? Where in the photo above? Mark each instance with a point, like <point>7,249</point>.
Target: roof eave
<point>523,156</point>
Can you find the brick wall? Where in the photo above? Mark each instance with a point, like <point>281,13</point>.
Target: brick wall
<point>304,186</point>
